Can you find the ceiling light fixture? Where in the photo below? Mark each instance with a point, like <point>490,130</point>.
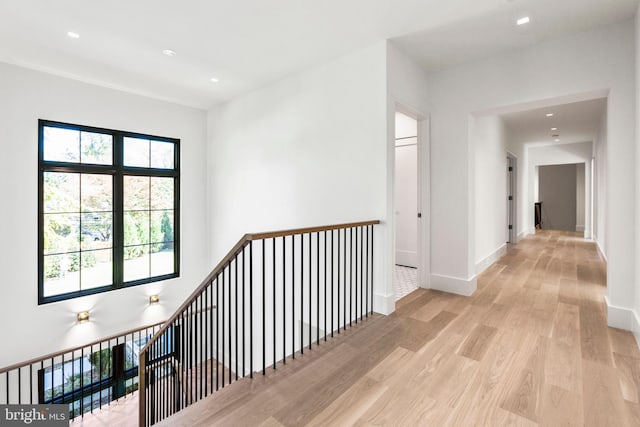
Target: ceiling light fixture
<point>554,128</point>
<point>522,21</point>
<point>73,35</point>
<point>169,52</point>
<point>549,114</point>
<point>214,80</point>
<point>154,299</point>
<point>557,140</point>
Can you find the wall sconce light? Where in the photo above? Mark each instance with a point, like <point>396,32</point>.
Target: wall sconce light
<point>83,316</point>
<point>154,299</point>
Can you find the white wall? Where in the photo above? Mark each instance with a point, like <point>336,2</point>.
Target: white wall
<point>490,178</point>
<point>308,150</point>
<point>580,197</point>
<point>600,183</point>
<point>25,97</point>
<point>557,191</point>
<point>601,59</point>
<point>635,321</point>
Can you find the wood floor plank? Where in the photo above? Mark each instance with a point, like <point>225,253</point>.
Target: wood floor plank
<point>603,402</point>
<point>594,337</point>
<point>351,404</point>
<point>561,407</point>
<point>478,342</point>
<point>525,396</point>
<point>629,371</point>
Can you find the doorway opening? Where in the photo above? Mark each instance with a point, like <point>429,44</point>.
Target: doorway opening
<point>406,205</point>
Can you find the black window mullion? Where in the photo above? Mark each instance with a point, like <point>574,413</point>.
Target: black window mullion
<point>118,213</point>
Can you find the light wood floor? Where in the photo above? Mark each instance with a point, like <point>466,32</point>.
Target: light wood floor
<point>530,347</point>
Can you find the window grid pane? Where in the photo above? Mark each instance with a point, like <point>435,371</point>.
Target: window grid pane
<point>78,217</point>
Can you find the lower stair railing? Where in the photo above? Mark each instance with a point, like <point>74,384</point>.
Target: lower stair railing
<point>273,296</point>
<point>85,377</point>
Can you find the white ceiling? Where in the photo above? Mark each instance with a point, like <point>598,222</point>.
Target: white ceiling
<point>250,43</point>
<point>576,122</point>
<point>491,32</point>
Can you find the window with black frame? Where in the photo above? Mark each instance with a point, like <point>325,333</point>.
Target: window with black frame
<point>108,210</point>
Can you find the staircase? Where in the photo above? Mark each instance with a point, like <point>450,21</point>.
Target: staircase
<point>272,298</point>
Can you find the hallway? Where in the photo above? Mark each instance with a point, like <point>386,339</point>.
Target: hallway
<point>531,347</point>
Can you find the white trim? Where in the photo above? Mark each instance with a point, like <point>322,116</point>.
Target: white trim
<point>602,254</point>
<point>579,227</point>
<point>530,231</point>
<point>454,285</point>
<point>384,304</point>
<point>523,234</point>
<point>619,317</point>
<point>491,258</point>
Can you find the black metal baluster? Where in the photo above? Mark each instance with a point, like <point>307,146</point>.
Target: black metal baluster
<point>99,373</point>
<point>191,354</point>
<point>251,308</point>
<point>361,277</point>
<point>317,289</point>
<point>230,325</point>
<point>199,365</point>
<point>223,322</point>
<point>236,302</point>
<point>338,289</point>
<point>345,279</point>
<point>210,347</point>
<point>325,285</point>
<point>372,249</point>
<point>366,274</point>
<point>274,301</point>
<point>217,331</point>
<point>244,317</point>
<point>310,291</point>
<point>284,301</point>
<point>301,293</point>
<point>293,296</point>
<point>351,270</point>
<point>332,260</point>
<point>264,303</point>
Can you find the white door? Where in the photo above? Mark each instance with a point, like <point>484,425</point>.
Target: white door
<point>406,191</point>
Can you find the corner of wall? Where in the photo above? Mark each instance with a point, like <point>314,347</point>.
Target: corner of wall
<point>384,304</point>
<point>491,258</point>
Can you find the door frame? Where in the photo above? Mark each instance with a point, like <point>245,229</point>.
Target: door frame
<point>423,196</point>
<point>512,184</point>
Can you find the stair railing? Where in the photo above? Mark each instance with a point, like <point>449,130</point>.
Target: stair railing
<point>272,296</point>
<point>85,377</point>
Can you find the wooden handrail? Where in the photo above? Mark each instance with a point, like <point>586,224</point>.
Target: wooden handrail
<point>237,248</point>
<point>73,349</point>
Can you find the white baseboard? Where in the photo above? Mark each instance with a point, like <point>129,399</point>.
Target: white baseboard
<point>602,254</point>
<point>384,304</point>
<point>636,327</point>
<point>454,285</point>
<point>407,258</point>
<point>623,318</point>
<point>579,227</point>
<point>522,235</point>
<point>493,257</point>
<point>531,231</point>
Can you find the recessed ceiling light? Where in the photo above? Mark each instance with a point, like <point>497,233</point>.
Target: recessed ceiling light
<point>554,128</point>
<point>169,52</point>
<point>557,140</point>
<point>214,80</point>
<point>73,35</point>
<point>522,21</point>
<point>549,114</point>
